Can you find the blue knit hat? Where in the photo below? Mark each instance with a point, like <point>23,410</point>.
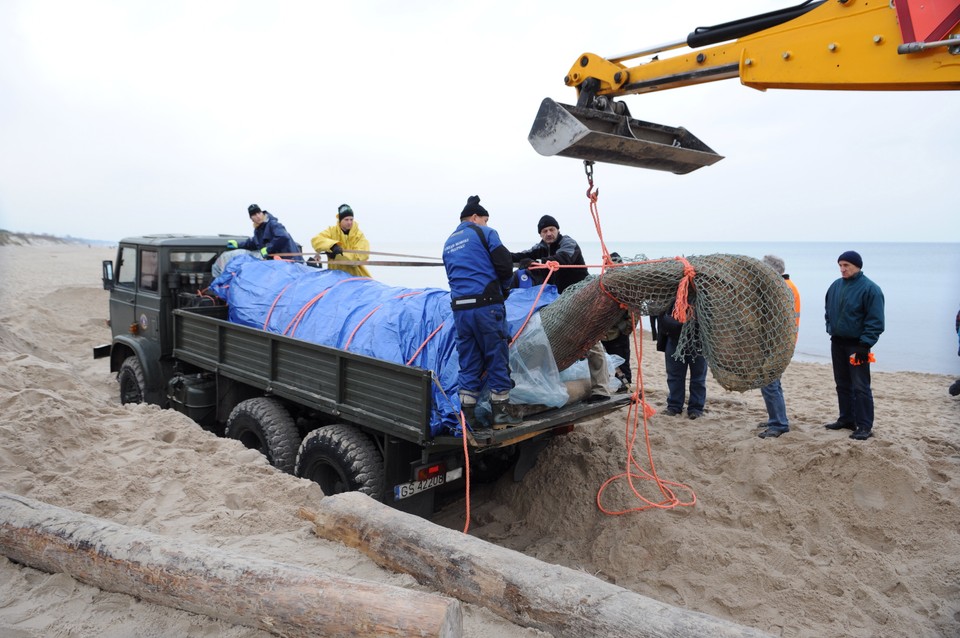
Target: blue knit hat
<point>852,257</point>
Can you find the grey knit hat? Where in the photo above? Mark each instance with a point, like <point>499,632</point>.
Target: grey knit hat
<point>774,262</point>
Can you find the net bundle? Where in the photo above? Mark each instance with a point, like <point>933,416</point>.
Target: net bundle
<point>740,318</point>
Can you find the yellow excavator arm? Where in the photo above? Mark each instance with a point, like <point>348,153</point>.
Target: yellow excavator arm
<point>867,45</point>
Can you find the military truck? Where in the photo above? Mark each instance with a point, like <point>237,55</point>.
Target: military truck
<point>346,421</point>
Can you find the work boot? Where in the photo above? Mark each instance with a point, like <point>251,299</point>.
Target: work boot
<point>470,415</point>
<point>502,418</point>
<point>840,425</point>
<point>773,432</point>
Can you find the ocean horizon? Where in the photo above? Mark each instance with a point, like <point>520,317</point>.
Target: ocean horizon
<point>920,283</point>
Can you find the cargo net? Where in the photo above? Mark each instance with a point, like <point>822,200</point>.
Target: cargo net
<point>740,315</point>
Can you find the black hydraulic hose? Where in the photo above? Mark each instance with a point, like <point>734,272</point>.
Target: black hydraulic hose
<point>703,36</point>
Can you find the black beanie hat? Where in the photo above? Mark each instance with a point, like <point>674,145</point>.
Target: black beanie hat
<point>547,220</point>
<point>851,256</point>
<point>473,207</point>
<point>253,209</point>
<point>344,210</point>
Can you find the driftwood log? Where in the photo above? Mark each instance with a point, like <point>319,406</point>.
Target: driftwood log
<point>521,589</point>
<point>283,599</point>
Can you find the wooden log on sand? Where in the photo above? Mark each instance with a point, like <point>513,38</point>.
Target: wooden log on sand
<point>524,590</point>
<point>286,600</point>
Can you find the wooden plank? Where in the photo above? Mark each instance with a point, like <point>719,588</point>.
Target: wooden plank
<point>285,600</point>
<point>524,590</point>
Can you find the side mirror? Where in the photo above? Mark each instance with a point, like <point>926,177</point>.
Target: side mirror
<point>107,274</point>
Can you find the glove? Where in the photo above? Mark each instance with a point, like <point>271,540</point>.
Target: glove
<point>336,250</point>
<point>525,263</point>
<point>861,354</point>
<point>232,244</point>
<point>263,252</point>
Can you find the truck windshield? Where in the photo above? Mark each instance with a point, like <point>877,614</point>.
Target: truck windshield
<point>192,261</point>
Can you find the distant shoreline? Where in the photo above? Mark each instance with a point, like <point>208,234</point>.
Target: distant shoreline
<point>8,238</point>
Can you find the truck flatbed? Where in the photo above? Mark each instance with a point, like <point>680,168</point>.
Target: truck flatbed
<point>387,396</point>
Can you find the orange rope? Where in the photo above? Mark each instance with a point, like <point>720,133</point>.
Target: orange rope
<point>425,341</point>
<point>291,328</point>
<point>466,454</point>
<point>346,346</point>
<point>551,267</point>
<point>466,471</point>
<point>682,308</point>
<point>266,321</point>
<point>638,401</point>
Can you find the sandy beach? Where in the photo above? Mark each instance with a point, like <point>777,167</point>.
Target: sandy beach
<point>807,535</point>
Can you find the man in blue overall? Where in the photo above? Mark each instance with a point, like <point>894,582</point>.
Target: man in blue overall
<point>479,269</point>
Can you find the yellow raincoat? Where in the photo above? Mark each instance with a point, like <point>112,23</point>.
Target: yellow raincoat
<point>325,240</point>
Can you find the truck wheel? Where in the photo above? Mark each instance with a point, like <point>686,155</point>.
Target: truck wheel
<point>340,458</point>
<point>133,383</point>
<point>263,424</point>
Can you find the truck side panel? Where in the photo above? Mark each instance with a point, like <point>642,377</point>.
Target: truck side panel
<point>388,397</point>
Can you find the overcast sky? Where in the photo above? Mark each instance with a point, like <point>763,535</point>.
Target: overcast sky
<point>130,117</point>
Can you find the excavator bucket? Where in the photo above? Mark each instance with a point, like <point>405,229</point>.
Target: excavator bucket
<point>599,136</point>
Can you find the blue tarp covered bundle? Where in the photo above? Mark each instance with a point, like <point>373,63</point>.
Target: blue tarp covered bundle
<point>360,315</point>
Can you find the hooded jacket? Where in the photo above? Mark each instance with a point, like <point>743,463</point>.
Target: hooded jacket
<point>354,240</point>
<point>272,235</point>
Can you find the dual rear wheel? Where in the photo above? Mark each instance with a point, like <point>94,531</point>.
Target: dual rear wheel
<point>340,458</point>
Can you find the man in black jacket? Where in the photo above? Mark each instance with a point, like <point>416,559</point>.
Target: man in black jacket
<point>555,247</point>
<point>566,251</point>
<point>666,331</point>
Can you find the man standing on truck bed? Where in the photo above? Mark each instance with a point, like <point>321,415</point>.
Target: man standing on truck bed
<point>479,268</point>
<point>344,235</point>
<point>269,236</point>
<point>565,250</point>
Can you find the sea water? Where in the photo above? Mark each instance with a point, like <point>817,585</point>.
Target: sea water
<point>920,283</point>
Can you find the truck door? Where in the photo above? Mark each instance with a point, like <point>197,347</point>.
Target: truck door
<point>123,298</point>
<point>150,295</point>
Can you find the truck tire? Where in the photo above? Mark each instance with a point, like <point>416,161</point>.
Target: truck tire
<point>263,424</point>
<point>133,383</point>
<point>341,458</point>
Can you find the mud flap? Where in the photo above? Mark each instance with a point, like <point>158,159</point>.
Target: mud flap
<point>599,136</point>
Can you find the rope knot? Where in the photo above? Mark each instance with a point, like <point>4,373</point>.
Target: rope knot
<point>681,309</point>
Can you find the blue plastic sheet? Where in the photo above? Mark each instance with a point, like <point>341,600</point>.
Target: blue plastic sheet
<point>360,315</point>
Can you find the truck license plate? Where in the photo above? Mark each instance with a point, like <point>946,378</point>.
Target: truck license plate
<point>406,490</point>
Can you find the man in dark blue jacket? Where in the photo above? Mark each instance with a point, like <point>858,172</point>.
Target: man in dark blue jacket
<point>479,268</point>
<point>854,317</point>
<point>269,236</point>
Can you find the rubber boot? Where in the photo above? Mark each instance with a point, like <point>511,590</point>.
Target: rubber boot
<point>502,418</point>
<point>470,415</point>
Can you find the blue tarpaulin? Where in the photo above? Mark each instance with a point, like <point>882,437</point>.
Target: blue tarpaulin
<point>362,316</point>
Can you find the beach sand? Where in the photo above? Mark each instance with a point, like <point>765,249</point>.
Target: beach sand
<point>810,534</point>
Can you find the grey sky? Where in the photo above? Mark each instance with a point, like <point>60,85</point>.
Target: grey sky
<point>129,117</point>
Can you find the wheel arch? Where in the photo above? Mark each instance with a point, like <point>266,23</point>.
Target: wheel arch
<point>148,352</point>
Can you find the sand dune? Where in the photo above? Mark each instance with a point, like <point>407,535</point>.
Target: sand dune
<point>807,535</point>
